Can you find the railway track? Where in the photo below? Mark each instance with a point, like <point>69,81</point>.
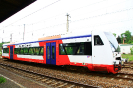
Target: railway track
<point>48,80</point>
<point>118,76</point>
<point>56,81</point>
<point>128,65</point>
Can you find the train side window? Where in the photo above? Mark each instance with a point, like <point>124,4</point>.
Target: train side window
<point>16,50</point>
<point>80,48</point>
<point>41,50</point>
<point>97,40</point>
<point>61,50</point>
<point>88,48</point>
<point>26,51</point>
<point>22,51</point>
<point>5,50</point>
<point>31,51</point>
<point>37,50</point>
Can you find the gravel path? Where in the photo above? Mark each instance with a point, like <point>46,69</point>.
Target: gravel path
<point>20,82</point>
<point>9,84</point>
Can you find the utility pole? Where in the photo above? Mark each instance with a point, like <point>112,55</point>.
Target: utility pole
<point>67,25</point>
<point>2,40</point>
<point>11,37</point>
<point>24,32</point>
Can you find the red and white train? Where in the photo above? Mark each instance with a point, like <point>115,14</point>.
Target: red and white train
<point>96,50</point>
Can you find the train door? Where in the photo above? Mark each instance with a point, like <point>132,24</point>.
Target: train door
<point>51,53</point>
<point>98,50</point>
<point>11,52</point>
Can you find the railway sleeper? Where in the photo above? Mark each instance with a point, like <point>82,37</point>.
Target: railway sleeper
<point>55,83</point>
<point>71,86</point>
<point>44,80</point>
<point>49,81</point>
<point>62,85</point>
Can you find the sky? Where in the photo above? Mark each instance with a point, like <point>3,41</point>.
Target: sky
<point>48,17</point>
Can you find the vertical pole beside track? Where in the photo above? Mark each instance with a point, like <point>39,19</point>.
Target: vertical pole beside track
<point>11,37</point>
<point>24,32</point>
<point>2,40</point>
<point>67,25</point>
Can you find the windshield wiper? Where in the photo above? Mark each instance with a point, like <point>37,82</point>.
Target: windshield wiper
<point>113,46</point>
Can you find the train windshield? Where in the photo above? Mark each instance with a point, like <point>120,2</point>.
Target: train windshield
<point>113,42</point>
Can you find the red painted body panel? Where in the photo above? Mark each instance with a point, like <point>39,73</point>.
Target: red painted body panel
<point>63,60</point>
<point>97,67</point>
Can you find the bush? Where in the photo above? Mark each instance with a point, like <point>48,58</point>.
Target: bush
<point>131,49</point>
<point>2,80</point>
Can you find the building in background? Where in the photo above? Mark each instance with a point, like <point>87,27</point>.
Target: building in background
<point>125,48</point>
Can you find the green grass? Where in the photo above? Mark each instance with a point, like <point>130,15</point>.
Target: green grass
<point>2,80</point>
<point>129,56</point>
<point>0,51</point>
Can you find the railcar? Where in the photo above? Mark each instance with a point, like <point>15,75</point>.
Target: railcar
<point>96,50</point>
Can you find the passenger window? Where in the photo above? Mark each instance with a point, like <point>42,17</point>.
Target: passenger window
<point>26,51</point>
<point>41,51</point>
<point>5,50</point>
<point>21,50</point>
<point>37,50</point>
<point>97,40</point>
<point>16,50</point>
<point>80,48</point>
<point>61,50</point>
<point>31,51</point>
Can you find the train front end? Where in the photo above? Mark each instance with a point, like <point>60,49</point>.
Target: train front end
<point>106,52</point>
<point>117,61</point>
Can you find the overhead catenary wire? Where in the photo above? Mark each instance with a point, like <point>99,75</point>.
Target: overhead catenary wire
<point>114,12</point>
<point>35,12</point>
<point>95,17</point>
<point>96,25</point>
<point>53,16</point>
<point>30,24</point>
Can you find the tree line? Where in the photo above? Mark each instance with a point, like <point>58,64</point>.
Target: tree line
<point>125,37</point>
